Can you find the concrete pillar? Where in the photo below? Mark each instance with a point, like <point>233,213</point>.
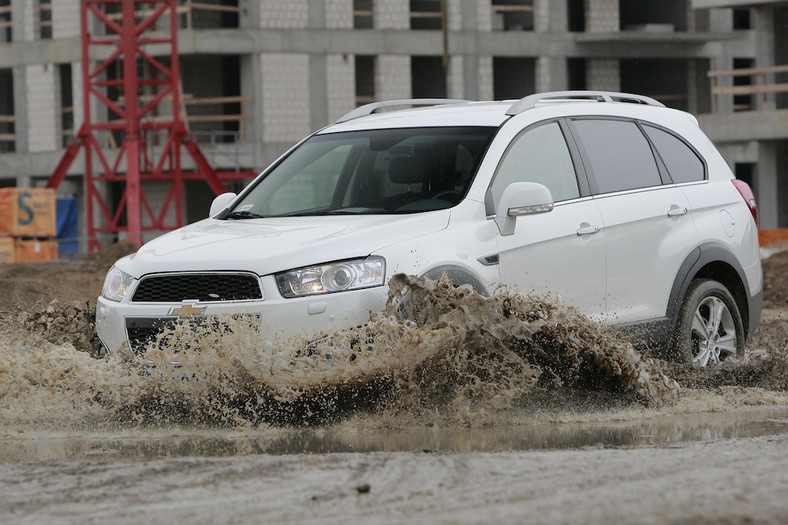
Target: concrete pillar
<point>318,70</point>
<point>470,58</point>
<point>764,51</point>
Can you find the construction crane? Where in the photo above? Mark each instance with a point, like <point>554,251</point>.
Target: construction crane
<point>131,78</point>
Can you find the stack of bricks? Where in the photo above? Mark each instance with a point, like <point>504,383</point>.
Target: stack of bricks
<point>27,225</point>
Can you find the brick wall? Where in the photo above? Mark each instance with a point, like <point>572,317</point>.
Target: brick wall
<point>392,77</point>
<point>341,85</point>
<point>603,74</point>
<point>65,18</point>
<point>392,14</point>
<point>339,14</point>
<point>485,17</point>
<point>284,14</point>
<point>285,96</point>
<point>42,107</point>
<point>454,12</point>
<point>485,78</point>
<point>455,87</point>
<point>602,16</point>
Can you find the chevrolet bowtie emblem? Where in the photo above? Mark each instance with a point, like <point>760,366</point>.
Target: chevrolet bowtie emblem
<point>186,310</point>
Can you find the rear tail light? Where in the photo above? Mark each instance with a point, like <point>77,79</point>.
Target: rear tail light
<point>749,198</point>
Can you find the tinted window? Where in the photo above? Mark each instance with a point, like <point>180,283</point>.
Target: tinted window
<point>620,156</point>
<point>538,155</point>
<point>682,163</point>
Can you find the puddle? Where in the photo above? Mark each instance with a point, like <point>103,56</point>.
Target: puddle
<point>181,442</point>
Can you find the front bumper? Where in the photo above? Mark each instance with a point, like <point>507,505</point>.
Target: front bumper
<point>281,321</point>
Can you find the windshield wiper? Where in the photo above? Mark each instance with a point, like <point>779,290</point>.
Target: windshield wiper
<point>245,214</point>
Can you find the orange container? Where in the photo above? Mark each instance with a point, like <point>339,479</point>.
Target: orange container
<point>35,250</point>
<point>768,237</point>
<point>28,212</point>
<point>7,250</point>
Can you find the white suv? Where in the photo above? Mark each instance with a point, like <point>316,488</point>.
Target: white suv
<point>618,205</point>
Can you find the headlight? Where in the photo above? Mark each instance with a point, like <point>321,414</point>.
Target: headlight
<point>116,284</point>
<point>332,277</point>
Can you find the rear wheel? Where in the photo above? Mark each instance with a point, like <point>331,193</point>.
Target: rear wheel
<point>710,327</point>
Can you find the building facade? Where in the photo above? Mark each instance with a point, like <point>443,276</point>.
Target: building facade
<point>258,75</point>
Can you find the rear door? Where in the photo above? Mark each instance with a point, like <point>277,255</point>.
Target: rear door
<point>647,222</point>
<point>562,252</point>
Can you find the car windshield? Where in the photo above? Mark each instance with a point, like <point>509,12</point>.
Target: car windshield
<point>370,172</point>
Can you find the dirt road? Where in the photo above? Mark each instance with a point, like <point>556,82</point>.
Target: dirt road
<point>62,458</point>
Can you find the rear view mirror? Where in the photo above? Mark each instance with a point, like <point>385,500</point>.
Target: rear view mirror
<point>220,203</point>
<point>518,199</point>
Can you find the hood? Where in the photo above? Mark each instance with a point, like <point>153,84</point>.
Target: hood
<point>266,246</point>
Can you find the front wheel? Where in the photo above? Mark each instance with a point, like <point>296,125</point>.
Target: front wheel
<point>709,327</point>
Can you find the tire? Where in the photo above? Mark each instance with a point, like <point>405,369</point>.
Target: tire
<point>709,327</point>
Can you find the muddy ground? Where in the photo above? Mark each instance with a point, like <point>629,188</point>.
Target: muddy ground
<point>61,463</point>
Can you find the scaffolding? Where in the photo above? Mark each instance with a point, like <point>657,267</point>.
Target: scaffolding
<point>132,100</point>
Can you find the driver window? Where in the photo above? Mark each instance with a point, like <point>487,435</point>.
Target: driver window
<point>538,155</point>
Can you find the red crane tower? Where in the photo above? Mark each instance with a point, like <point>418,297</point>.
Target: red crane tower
<point>130,72</point>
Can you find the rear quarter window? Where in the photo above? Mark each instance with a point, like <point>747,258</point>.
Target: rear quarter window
<point>681,161</point>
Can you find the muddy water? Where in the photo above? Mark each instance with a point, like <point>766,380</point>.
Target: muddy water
<point>185,442</point>
<point>442,368</point>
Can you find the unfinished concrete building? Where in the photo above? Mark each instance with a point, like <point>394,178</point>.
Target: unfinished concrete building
<point>258,75</point>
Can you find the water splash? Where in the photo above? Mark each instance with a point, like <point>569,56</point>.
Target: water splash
<point>438,354</point>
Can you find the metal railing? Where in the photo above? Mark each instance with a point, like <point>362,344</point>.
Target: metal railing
<point>762,83</point>
<point>222,116</point>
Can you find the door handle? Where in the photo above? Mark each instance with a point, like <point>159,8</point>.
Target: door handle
<point>677,211</point>
<point>587,229</point>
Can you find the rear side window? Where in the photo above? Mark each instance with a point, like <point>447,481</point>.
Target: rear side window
<point>682,162</point>
<point>620,156</point>
<point>538,155</point>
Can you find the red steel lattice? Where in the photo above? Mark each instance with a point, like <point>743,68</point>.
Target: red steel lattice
<point>129,79</point>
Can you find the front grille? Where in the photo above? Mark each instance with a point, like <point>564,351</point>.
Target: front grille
<point>206,287</point>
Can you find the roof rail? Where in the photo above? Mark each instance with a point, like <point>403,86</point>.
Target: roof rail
<point>531,101</point>
<point>368,109</point>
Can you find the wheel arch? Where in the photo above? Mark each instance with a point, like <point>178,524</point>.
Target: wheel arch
<point>711,261</point>
<point>458,275</point>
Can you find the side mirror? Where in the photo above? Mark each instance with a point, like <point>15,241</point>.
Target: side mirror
<point>220,203</point>
<point>518,199</point>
